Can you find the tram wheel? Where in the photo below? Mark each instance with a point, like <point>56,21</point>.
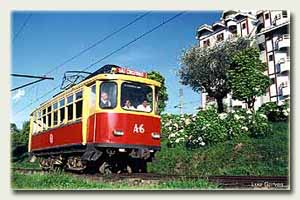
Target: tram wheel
<point>105,168</point>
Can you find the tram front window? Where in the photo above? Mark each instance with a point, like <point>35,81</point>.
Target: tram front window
<point>137,97</point>
<point>108,95</point>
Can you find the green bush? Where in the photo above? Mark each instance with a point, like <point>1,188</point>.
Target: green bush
<point>274,112</point>
<point>173,127</point>
<point>247,122</point>
<point>208,128</point>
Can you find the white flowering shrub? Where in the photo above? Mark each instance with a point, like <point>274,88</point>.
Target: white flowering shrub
<point>173,127</point>
<point>236,123</point>
<point>274,112</point>
<point>209,127</point>
<point>247,122</point>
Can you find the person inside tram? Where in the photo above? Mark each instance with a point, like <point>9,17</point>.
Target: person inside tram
<point>105,102</point>
<point>144,106</point>
<point>128,106</point>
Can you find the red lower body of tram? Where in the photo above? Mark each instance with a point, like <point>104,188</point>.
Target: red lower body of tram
<point>110,137</point>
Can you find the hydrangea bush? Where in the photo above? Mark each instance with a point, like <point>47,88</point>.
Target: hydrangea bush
<point>209,127</point>
<point>173,127</point>
<point>274,112</point>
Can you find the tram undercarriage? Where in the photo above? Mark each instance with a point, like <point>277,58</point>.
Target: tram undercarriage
<point>103,160</point>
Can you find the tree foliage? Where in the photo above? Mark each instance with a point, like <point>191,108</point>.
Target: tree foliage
<point>162,94</point>
<point>20,137</point>
<point>246,76</point>
<point>204,69</point>
<point>13,128</point>
<point>19,141</point>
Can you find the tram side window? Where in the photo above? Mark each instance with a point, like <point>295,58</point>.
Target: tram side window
<point>49,117</point>
<point>62,110</point>
<point>78,104</point>
<point>70,107</point>
<point>108,95</point>
<point>35,123</point>
<point>92,99</point>
<point>137,97</point>
<point>156,100</point>
<point>44,119</point>
<point>40,122</point>
<point>34,128</point>
<point>55,114</point>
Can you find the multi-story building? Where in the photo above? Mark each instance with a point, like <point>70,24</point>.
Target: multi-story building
<point>271,31</point>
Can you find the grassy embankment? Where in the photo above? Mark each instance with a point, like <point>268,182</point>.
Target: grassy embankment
<point>58,181</point>
<point>244,156</point>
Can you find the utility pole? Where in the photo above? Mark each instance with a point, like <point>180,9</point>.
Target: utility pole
<point>180,100</point>
<point>180,103</point>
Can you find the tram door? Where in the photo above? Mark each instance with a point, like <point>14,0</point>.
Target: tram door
<point>90,114</point>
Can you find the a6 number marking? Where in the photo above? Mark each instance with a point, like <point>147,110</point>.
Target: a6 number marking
<point>138,128</point>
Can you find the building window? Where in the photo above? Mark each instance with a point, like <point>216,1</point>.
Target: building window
<point>244,25</point>
<point>220,37</point>
<point>261,46</point>
<point>206,43</point>
<point>272,81</point>
<point>267,16</point>
<point>284,14</point>
<point>271,57</point>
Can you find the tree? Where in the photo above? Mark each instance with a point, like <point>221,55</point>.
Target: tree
<point>21,137</point>
<point>162,94</point>
<point>246,76</point>
<point>204,69</point>
<point>19,142</point>
<point>13,128</point>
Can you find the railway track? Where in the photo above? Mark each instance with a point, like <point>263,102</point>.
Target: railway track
<point>226,182</point>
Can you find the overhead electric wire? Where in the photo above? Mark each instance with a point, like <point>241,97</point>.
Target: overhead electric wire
<point>112,53</point>
<point>99,41</point>
<point>134,40</point>
<point>22,27</point>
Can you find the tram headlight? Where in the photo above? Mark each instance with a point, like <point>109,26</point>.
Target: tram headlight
<point>155,135</point>
<point>118,133</point>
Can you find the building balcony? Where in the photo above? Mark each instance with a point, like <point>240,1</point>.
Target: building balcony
<point>285,91</point>
<point>284,65</point>
<point>232,26</point>
<point>262,57</point>
<point>273,90</point>
<point>283,42</point>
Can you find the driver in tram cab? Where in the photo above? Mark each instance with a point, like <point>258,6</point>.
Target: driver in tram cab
<point>144,106</point>
<point>128,106</point>
<point>105,102</point>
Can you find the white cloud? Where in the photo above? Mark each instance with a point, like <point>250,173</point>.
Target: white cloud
<point>17,96</point>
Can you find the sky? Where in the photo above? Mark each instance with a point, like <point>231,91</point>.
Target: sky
<point>47,39</point>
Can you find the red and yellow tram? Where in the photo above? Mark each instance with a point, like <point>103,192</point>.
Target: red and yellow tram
<point>108,121</point>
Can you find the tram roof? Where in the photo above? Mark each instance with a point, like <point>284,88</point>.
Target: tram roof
<point>104,73</point>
